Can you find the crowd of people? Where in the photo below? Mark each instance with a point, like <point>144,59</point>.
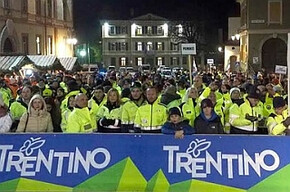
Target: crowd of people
<point>215,103</point>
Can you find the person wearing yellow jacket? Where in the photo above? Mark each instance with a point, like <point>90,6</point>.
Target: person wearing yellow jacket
<point>98,99</point>
<point>66,113</point>
<point>278,122</point>
<point>80,120</point>
<point>150,117</point>
<point>244,119</point>
<point>74,90</point>
<point>109,114</point>
<point>268,105</point>
<point>130,107</point>
<point>20,106</point>
<point>189,106</point>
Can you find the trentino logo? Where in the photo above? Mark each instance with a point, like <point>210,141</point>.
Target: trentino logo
<point>30,159</point>
<point>199,161</point>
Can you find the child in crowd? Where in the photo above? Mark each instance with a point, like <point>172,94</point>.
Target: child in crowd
<point>176,125</point>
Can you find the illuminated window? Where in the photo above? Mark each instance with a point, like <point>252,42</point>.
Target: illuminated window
<point>159,61</point>
<point>123,61</point>
<point>159,46</point>
<point>149,46</point>
<point>38,45</point>
<point>139,61</point>
<point>275,11</point>
<point>139,46</point>
<point>139,30</point>
<point>49,45</point>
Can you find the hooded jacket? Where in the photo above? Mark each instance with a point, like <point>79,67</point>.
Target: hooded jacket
<point>35,120</point>
<point>213,125</point>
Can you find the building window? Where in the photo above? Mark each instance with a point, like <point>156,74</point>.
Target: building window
<point>159,61</point>
<point>25,43</point>
<point>124,30</point>
<point>139,30</point>
<point>149,30</point>
<point>139,46</point>
<point>113,61</point>
<point>65,10</point>
<point>275,11</point>
<point>50,45</point>
<point>24,6</point>
<point>149,46</point>
<point>6,4</point>
<point>49,8</point>
<point>123,61</point>
<point>38,7</point>
<point>139,61</point>
<point>112,30</point>
<point>174,47</point>
<point>184,60</point>
<point>159,46</point>
<point>124,46</point>
<point>174,61</point>
<point>38,45</point>
<point>159,30</point>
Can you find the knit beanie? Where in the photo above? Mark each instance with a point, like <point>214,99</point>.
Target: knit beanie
<point>234,89</point>
<point>174,111</point>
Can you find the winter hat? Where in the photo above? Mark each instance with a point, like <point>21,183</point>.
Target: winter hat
<point>234,89</point>
<point>136,85</point>
<point>254,93</point>
<point>206,103</point>
<point>175,111</point>
<point>278,102</point>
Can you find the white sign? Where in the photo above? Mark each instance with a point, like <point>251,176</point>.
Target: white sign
<point>281,69</point>
<point>188,49</point>
<point>210,61</point>
<point>255,60</point>
<point>257,21</point>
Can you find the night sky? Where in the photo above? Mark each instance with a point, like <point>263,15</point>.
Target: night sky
<point>87,13</point>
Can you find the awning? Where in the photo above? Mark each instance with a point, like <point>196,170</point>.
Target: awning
<point>9,63</point>
<point>68,62</point>
<point>46,62</point>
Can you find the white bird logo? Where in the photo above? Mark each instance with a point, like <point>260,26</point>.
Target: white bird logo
<point>197,146</point>
<point>30,145</point>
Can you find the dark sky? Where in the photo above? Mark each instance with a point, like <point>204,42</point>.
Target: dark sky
<point>87,13</point>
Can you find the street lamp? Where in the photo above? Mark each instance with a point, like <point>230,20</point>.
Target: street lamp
<point>220,49</point>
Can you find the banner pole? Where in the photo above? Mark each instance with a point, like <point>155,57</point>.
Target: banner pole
<point>190,70</point>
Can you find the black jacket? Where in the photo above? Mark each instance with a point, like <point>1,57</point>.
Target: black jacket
<point>208,126</point>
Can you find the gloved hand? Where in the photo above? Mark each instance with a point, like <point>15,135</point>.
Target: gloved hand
<point>105,121</point>
<point>251,118</point>
<point>286,122</point>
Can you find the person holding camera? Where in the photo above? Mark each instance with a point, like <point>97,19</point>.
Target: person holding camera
<point>245,118</point>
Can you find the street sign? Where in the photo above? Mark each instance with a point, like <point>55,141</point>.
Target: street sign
<point>188,49</point>
<point>210,61</point>
<point>279,69</point>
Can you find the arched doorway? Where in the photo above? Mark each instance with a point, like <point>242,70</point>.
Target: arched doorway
<point>8,46</point>
<point>274,52</point>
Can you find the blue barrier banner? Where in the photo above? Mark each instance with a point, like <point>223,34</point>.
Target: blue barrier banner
<point>124,162</point>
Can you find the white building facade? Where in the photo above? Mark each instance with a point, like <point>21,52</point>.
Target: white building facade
<point>36,27</point>
<point>141,40</point>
